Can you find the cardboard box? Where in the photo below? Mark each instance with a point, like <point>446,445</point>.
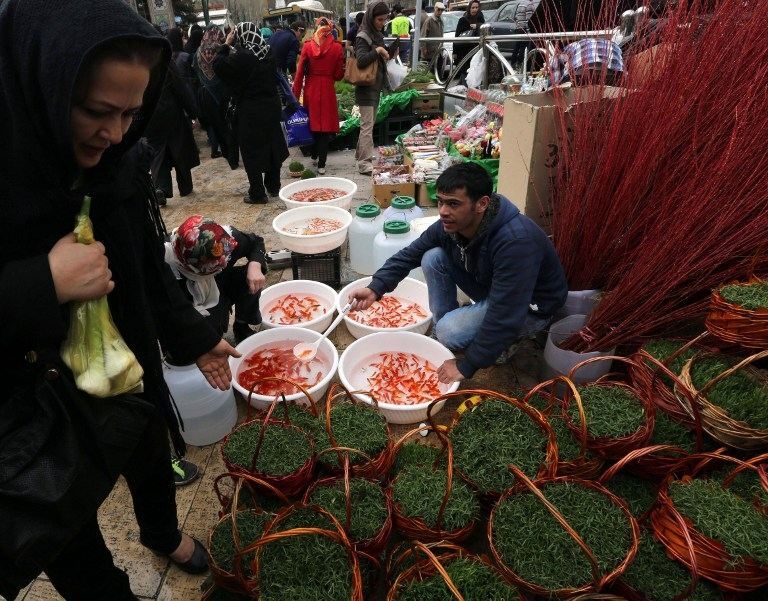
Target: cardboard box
<point>384,193</point>
<point>426,104</point>
<point>424,195</point>
<point>531,148</point>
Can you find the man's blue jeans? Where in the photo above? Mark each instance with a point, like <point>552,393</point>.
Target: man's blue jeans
<point>456,327</point>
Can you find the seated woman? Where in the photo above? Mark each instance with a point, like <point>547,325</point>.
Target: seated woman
<point>202,254</point>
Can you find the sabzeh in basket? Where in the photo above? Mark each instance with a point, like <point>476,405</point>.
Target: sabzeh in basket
<point>273,451</point>
<point>560,537</point>
<point>616,416</point>
<point>353,424</point>
<point>304,554</point>
<point>574,458</point>
<point>701,522</point>
<point>428,502</point>
<point>729,397</point>
<point>489,431</point>
<point>738,313</point>
<point>441,570</point>
<point>359,504</point>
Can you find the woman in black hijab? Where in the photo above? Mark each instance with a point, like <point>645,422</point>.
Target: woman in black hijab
<point>71,111</point>
<point>470,22</point>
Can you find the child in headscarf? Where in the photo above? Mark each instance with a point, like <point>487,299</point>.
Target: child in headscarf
<point>320,65</point>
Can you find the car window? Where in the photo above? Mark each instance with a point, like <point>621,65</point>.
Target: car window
<point>451,21</point>
<point>507,12</point>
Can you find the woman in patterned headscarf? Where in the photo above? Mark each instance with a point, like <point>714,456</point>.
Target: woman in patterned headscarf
<point>246,67</point>
<point>212,96</point>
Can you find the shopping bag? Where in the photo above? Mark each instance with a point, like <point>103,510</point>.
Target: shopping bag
<point>396,72</point>
<point>297,131</point>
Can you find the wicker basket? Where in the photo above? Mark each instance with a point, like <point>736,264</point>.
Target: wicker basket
<point>583,466</point>
<point>254,486</point>
<point>372,546</point>
<point>415,528</point>
<point>374,468</point>
<point>435,555</point>
<point>700,553</point>
<point>718,424</point>
<point>737,325</point>
<point>609,448</point>
<point>599,581</point>
<point>477,396</point>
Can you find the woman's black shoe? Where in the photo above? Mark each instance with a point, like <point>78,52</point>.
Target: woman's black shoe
<point>197,564</point>
<point>215,154</point>
<point>255,201</point>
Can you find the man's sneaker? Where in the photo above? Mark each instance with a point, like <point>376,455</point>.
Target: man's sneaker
<point>184,471</point>
<point>507,355</point>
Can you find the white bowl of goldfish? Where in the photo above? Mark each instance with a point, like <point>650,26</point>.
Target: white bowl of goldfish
<point>312,229</point>
<point>405,309</point>
<point>399,370</point>
<point>269,354</point>
<point>322,191</point>
<point>299,303</point>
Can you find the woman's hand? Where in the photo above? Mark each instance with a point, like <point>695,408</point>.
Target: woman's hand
<point>215,365</point>
<point>80,271</point>
<point>255,278</point>
<point>383,52</point>
<point>230,37</point>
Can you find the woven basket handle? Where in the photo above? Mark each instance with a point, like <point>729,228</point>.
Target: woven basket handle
<point>579,406</point>
<point>707,458</point>
<point>262,430</point>
<point>626,360</point>
<point>238,478</point>
<point>407,549</point>
<point>440,569</point>
<point>691,553</point>
<point>347,490</point>
<point>252,390</point>
<point>637,454</point>
<point>685,347</point>
<point>521,477</point>
<point>729,372</point>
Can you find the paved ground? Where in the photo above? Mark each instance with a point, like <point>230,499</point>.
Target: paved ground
<point>218,193</point>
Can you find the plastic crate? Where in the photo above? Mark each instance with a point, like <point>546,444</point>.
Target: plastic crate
<point>394,126</point>
<point>320,267</point>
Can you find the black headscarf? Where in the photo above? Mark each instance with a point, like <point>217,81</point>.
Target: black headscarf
<point>375,9</point>
<point>478,18</point>
<point>176,39</point>
<point>194,41</point>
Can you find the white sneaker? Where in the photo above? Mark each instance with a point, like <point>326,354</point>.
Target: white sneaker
<point>321,170</point>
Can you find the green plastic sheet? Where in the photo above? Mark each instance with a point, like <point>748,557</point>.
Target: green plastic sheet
<point>490,165</point>
<point>386,104</point>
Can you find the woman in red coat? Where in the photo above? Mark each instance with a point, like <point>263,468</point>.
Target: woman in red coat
<point>320,65</point>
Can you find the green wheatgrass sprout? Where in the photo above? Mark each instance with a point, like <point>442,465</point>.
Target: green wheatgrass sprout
<point>304,420</point>
<point>661,349</point>
<point>474,579</point>
<point>492,436</point>
<point>284,450</point>
<point>415,454</point>
<point>668,431</point>
<point>568,445</point>
<point>419,492</point>
<point>611,411</point>
<point>368,504</point>
<point>746,484</point>
<point>639,494</point>
<point>356,426</point>
<point>723,516</point>
<point>537,548</point>
<point>750,296</point>
<point>305,567</point>
<point>742,396</point>
<point>250,526</point>
<point>660,578</point>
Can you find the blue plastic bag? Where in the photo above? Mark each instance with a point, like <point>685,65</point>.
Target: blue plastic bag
<point>297,131</point>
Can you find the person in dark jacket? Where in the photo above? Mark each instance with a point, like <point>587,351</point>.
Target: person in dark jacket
<point>286,46</point>
<point>248,70</point>
<point>212,95</point>
<point>71,108</point>
<point>470,22</point>
<point>169,132</point>
<point>202,255</point>
<point>369,47</point>
<point>195,39</point>
<point>497,256</point>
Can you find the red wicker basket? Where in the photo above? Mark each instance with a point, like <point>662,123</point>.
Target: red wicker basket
<point>415,528</point>
<point>476,396</point>
<point>737,325</point>
<point>697,551</point>
<point>609,448</point>
<point>372,546</point>
<point>374,468</point>
<point>599,581</point>
<point>253,484</point>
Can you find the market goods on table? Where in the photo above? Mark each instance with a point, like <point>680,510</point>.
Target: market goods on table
<point>390,312</point>
<point>313,227</point>
<point>295,308</point>
<point>317,194</point>
<point>277,360</point>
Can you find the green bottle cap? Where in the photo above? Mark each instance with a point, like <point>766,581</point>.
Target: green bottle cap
<point>368,211</point>
<point>397,227</point>
<point>402,203</point>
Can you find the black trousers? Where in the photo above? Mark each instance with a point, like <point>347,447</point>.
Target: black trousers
<point>84,571</point>
<point>163,178</point>
<point>233,291</point>
<point>320,147</point>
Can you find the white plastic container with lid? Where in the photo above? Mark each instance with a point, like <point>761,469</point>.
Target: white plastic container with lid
<point>209,414</point>
<point>394,237</point>
<point>403,207</point>
<point>366,224</point>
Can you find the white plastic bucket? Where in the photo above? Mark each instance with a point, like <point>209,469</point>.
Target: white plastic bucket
<point>339,183</point>
<point>579,302</point>
<point>559,362</point>
<point>318,243</point>
<point>325,294</point>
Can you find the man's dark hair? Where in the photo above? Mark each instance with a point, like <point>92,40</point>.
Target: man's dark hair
<point>473,178</point>
<point>397,9</point>
<point>424,4</point>
<point>296,25</point>
<point>359,18</point>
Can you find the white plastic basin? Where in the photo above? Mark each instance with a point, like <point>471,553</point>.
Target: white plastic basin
<point>339,183</point>
<point>325,294</point>
<point>280,336</point>
<point>409,289</point>
<point>318,243</point>
<point>355,362</point>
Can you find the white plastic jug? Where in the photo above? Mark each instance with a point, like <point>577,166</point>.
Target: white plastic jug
<point>394,237</point>
<point>209,414</point>
<point>403,207</point>
<point>366,223</point>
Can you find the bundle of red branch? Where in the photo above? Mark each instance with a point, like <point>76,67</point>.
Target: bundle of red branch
<point>661,193</point>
